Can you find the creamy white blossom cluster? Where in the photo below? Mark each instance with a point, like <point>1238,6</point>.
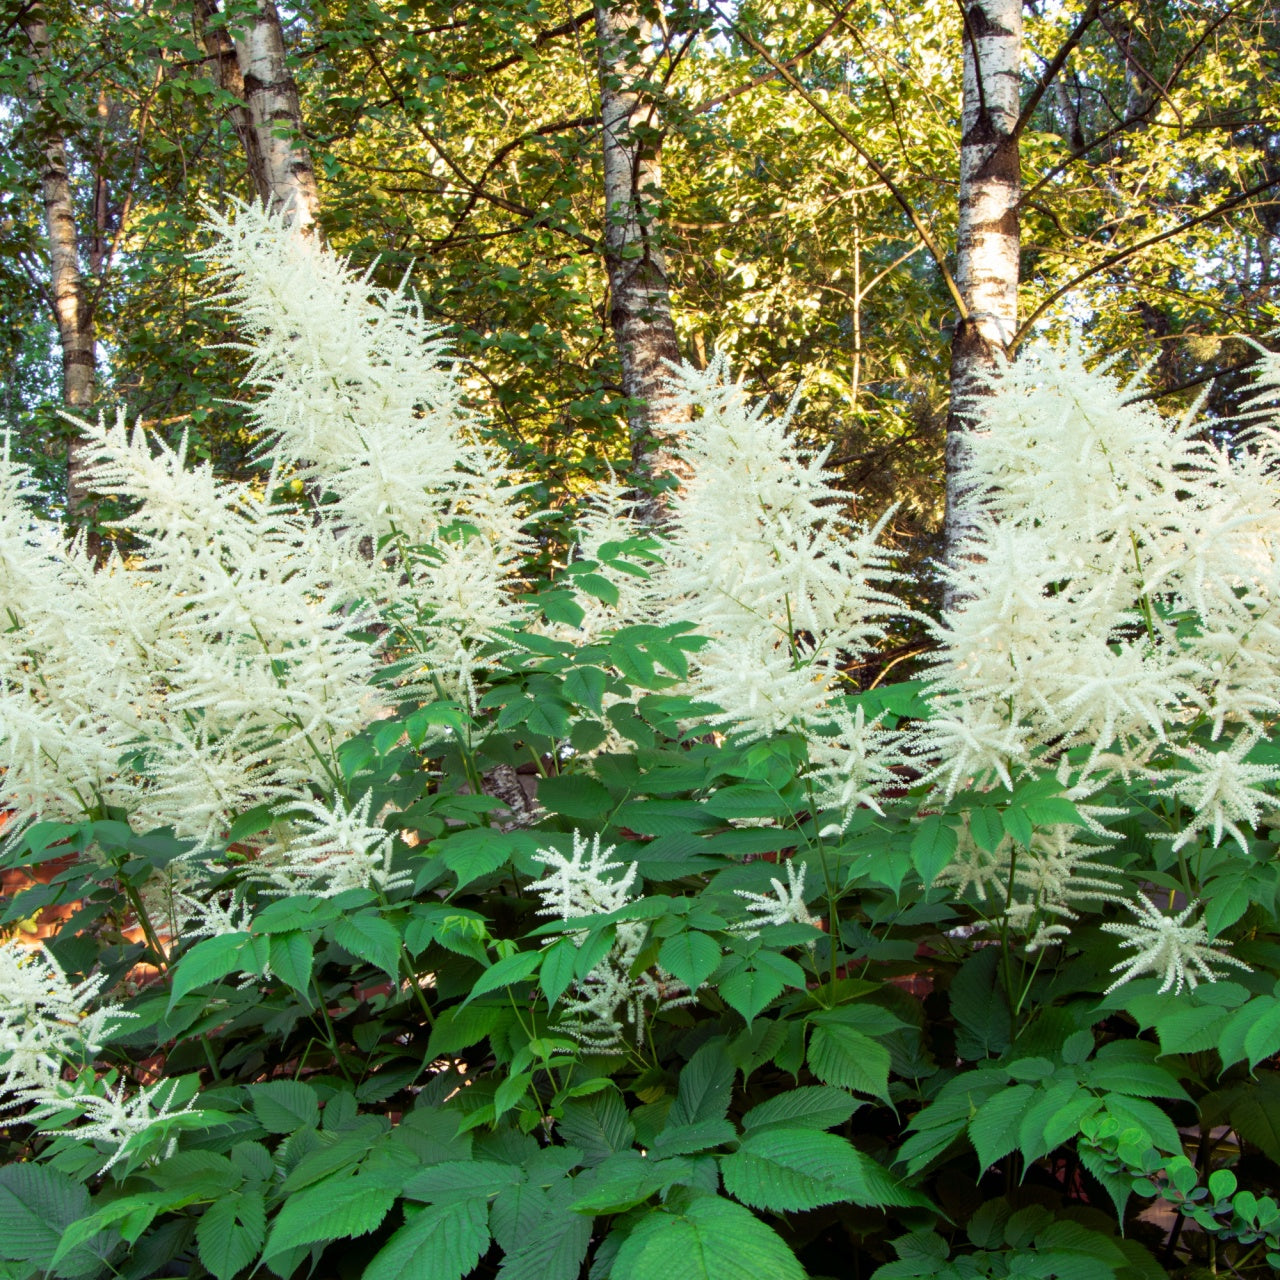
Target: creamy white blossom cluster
<point>600,1006</point>
<point>113,1116</point>
<point>1166,945</point>
<point>761,559</point>
<point>325,849</point>
<point>358,397</point>
<point>1120,585</point>
<point>1034,890</point>
<point>785,905</point>
<point>49,1025</point>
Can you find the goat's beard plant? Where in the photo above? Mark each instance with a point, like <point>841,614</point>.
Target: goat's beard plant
<point>267,725</point>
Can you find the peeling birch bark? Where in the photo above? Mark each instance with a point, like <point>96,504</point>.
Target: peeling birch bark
<point>72,311</point>
<point>987,242</point>
<point>249,63</point>
<point>639,298</point>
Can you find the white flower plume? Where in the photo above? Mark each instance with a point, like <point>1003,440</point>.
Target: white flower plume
<point>1120,586</point>
<point>1166,945</point>
<point>47,1023</point>
<point>600,1006</point>
<point>325,849</point>
<point>785,905</point>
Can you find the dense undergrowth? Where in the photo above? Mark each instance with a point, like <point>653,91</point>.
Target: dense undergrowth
<point>418,919</point>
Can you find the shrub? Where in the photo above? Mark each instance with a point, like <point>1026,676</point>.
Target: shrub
<point>754,976</point>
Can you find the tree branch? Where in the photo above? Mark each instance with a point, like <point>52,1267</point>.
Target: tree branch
<point>1113,259</point>
<point>1050,73</point>
<point>926,236</point>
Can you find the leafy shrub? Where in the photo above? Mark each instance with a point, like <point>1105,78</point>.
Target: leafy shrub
<point>420,920</point>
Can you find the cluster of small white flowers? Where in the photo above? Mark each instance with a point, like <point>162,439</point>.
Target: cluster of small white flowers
<point>760,559</point>
<point>1035,888</point>
<point>326,849</point>
<point>46,1022</point>
<point>1098,526</point>
<point>1166,945</point>
<point>601,1005</point>
<point>114,1116</point>
<point>47,1025</point>
<point>785,905</point>
<point>359,398</point>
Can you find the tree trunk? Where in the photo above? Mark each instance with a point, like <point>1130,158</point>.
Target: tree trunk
<point>640,304</point>
<point>250,65</point>
<point>71,308</point>
<point>987,236</point>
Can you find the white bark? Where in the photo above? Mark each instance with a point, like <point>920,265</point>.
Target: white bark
<point>987,237</point>
<point>640,302</point>
<point>249,63</point>
<point>66,284</point>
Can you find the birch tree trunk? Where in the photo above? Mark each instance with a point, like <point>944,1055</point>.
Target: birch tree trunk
<point>639,300</point>
<point>67,295</point>
<point>250,65</point>
<point>987,237</point>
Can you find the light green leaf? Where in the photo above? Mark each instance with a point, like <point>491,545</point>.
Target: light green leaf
<point>556,971</point>
<point>693,957</point>
<point>230,1232</point>
<point>442,1242</point>
<point>598,1124</point>
<point>284,1106</point>
<point>586,686</point>
<point>932,847</point>
<point>291,958</point>
<point>206,962</point>
<point>750,991</point>
<point>792,1169</point>
<point>995,1125</point>
<point>843,1056</point>
<point>373,939</point>
<point>812,1106</point>
<point>505,973</point>
<point>711,1239</point>
<point>554,1251</point>
<point>336,1208</point>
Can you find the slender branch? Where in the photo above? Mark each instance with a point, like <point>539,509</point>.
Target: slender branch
<point>543,37</point>
<point>1112,259</point>
<point>1050,73</point>
<point>1162,393</point>
<point>774,74</point>
<point>476,190</point>
<point>868,159</point>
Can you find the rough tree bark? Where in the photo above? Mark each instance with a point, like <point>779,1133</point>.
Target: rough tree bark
<point>249,64</point>
<point>67,294</point>
<point>640,302</point>
<point>987,237</point>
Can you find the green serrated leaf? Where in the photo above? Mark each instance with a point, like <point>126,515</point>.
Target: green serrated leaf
<point>291,960</point>
<point>932,847</point>
<point>706,1085</point>
<point>693,957</point>
<point>373,939</point>
<point>36,1205</point>
<point>334,1209</point>
<point>811,1106</point>
<point>206,962</point>
<point>506,973</point>
<point>995,1125</point>
<point>284,1106</point>
<point>442,1242</point>
<point>709,1239</point>
<point>844,1056</point>
<point>231,1231</point>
